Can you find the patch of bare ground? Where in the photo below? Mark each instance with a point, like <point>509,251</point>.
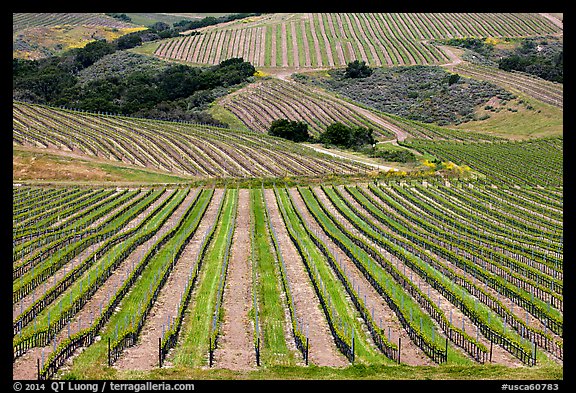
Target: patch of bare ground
<point>78,168</point>
<point>308,61</point>
<point>454,59</point>
<point>235,346</point>
<point>25,366</point>
<point>323,350</point>
<point>144,355</point>
<point>295,54</point>
<point>348,157</point>
<point>41,168</point>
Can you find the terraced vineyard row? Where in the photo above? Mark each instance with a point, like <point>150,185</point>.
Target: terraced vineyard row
<point>333,39</point>
<point>430,131</point>
<point>417,273</point>
<point>541,89</point>
<point>260,104</point>
<point>524,163</point>
<point>187,149</point>
<point>22,21</point>
<point>271,99</point>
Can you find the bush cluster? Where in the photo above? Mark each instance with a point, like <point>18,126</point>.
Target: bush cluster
<point>428,94</point>
<point>539,56</point>
<point>295,131</point>
<point>536,58</point>
<point>357,69</point>
<point>395,155</point>
<point>100,78</point>
<point>340,135</point>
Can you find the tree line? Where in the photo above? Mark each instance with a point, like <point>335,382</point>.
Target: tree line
<point>174,92</point>
<point>336,134</point>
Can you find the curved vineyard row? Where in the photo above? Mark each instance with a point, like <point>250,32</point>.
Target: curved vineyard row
<point>334,39</point>
<point>260,104</point>
<point>192,150</point>
<point>354,203</point>
<point>453,288</point>
<point>525,163</point>
<point>22,21</point>
<point>541,89</point>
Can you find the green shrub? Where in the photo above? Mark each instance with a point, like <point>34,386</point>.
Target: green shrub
<point>395,155</point>
<point>295,131</point>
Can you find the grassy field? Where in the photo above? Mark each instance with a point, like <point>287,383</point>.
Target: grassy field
<point>36,165</point>
<point>355,372</point>
<point>517,120</point>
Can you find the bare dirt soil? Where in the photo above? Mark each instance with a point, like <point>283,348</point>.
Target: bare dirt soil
<point>235,346</point>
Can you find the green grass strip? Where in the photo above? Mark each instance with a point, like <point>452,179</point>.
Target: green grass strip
<point>274,348</point>
<point>193,350</point>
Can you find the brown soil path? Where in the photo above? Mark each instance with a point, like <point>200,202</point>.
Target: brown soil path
<point>284,44</point>
<point>323,350</point>
<point>144,355</point>
<point>307,62</point>
<point>454,59</point>
<point>410,353</point>
<point>295,53</point>
<point>331,153</point>
<point>235,346</point>
<point>25,366</point>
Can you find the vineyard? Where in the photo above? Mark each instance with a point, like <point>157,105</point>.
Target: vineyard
<point>543,90</point>
<point>263,102</point>
<point>21,21</point>
<point>186,149</point>
<point>316,40</point>
<point>381,273</point>
<point>525,163</point>
<point>147,248</point>
<point>260,104</point>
